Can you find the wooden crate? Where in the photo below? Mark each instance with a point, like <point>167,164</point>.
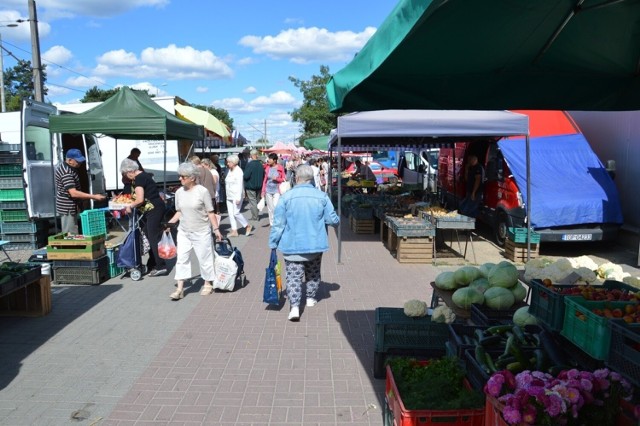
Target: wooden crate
<point>87,248</point>
<point>31,300</point>
<point>362,226</point>
<point>517,252</point>
<point>411,249</point>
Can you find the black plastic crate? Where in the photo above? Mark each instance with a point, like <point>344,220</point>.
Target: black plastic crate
<point>476,375</point>
<point>75,275</point>
<point>100,262</point>
<point>399,334</point>
<point>624,354</point>
<point>484,316</point>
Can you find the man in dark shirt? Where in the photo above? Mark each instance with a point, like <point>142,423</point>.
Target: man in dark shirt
<point>474,175</point>
<point>253,177</point>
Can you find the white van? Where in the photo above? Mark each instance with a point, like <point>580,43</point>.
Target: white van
<point>420,167</point>
<point>41,152</point>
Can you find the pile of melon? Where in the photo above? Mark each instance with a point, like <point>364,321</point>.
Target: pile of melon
<point>494,285</point>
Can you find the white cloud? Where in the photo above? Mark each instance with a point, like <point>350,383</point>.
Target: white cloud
<point>170,63</point>
<point>22,31</point>
<point>246,61</point>
<point>53,91</point>
<point>250,89</point>
<point>313,44</point>
<point>84,82</point>
<point>235,105</point>
<point>202,89</point>
<point>277,98</point>
<point>59,55</point>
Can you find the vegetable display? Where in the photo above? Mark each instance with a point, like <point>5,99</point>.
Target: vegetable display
<point>443,314</point>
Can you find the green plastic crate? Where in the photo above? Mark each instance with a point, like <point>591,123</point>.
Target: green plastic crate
<point>14,215</point>
<point>12,195</point>
<point>519,235</point>
<point>11,182</point>
<point>624,355</point>
<point>114,270</point>
<point>585,329</point>
<point>10,169</point>
<point>93,222</point>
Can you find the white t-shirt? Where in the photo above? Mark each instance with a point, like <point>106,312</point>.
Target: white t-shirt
<point>194,205</point>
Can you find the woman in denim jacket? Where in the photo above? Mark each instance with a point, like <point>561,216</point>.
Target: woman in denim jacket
<point>299,231</point>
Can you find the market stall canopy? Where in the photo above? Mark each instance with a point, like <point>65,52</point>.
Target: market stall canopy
<point>496,55</point>
<point>129,114</point>
<point>379,130</point>
<point>205,119</point>
<point>319,143</point>
<point>281,148</point>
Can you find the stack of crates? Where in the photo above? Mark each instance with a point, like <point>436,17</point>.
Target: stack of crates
<point>15,225</point>
<point>94,223</point>
<point>93,269</point>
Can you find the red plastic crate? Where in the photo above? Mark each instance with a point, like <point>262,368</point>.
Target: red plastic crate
<point>404,417</point>
<point>493,412</point>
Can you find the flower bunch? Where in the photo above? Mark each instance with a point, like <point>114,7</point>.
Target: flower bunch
<point>573,397</point>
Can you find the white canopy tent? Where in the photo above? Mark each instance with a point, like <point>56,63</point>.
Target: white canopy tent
<point>379,130</point>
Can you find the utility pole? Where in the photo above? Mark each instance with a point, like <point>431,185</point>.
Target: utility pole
<point>35,49</point>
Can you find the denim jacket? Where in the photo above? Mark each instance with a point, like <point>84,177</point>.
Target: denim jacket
<point>300,221</point>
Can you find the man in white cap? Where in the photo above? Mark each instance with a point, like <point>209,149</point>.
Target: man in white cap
<point>67,185</point>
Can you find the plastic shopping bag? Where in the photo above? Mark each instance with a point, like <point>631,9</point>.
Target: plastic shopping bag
<point>261,204</point>
<point>279,276</point>
<point>225,269</point>
<point>271,295</point>
<point>166,247</point>
<point>284,187</point>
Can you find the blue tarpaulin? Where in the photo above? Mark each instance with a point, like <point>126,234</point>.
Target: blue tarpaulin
<point>569,184</point>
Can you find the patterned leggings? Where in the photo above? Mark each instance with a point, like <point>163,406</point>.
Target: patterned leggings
<point>296,273</point>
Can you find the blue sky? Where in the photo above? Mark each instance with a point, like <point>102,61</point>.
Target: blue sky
<point>235,55</point>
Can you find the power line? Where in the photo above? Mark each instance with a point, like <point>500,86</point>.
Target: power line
<point>99,83</point>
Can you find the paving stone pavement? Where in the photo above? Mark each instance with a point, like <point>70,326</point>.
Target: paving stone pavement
<point>123,353</point>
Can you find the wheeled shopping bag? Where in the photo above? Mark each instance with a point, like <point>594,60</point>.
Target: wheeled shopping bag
<point>228,266</point>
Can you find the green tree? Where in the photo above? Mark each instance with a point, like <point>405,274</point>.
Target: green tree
<point>18,84</point>
<point>314,114</point>
<point>219,113</point>
<point>98,95</point>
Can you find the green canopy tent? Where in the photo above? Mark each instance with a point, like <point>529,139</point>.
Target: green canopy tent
<point>320,143</point>
<point>129,114</point>
<point>496,55</point>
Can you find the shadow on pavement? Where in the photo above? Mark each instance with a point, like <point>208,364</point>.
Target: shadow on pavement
<point>21,336</point>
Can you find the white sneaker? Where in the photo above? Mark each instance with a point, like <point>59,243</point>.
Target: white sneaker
<point>311,302</point>
<point>294,314</point>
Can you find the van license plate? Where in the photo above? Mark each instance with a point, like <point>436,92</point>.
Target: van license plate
<point>577,237</point>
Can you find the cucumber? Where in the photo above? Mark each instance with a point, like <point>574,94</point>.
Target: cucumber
<point>515,367</point>
<point>517,331</point>
<point>490,340</point>
<point>481,358</point>
<point>503,361</point>
<point>490,364</point>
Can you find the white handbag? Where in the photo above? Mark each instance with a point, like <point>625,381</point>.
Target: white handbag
<point>261,204</point>
<point>284,187</point>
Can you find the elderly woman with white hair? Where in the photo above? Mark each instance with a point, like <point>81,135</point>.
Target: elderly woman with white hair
<point>234,188</point>
<point>299,232</point>
<point>148,201</point>
<point>194,211</point>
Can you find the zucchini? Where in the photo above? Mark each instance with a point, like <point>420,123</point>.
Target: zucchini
<point>481,358</point>
<point>490,363</point>
<point>515,367</point>
<point>517,331</point>
<point>478,334</point>
<point>503,361</point>
<point>515,350</point>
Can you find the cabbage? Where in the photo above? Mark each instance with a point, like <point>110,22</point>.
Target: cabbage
<point>465,296</point>
<point>485,268</point>
<point>498,298</point>
<point>445,281</point>
<point>504,274</point>
<point>522,317</point>
<point>480,284</point>
<point>463,276</point>
<point>519,292</point>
